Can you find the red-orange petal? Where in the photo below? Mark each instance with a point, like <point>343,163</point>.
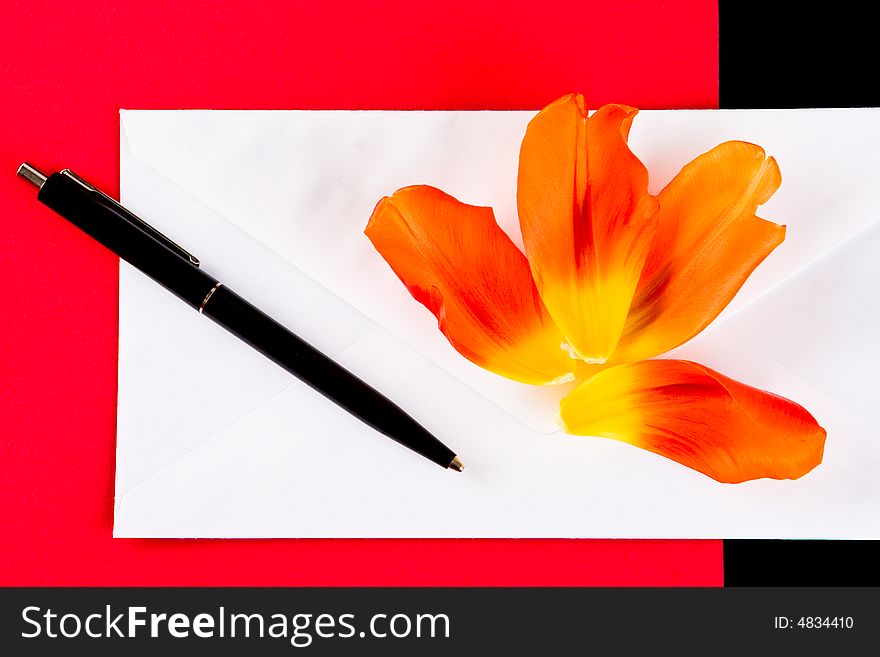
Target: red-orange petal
<point>691,414</point>
<point>457,262</point>
<point>587,220</point>
<point>707,244</point>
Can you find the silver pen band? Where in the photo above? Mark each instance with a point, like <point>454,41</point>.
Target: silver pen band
<point>208,298</point>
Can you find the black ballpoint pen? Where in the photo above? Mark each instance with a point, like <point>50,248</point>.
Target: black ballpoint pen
<point>139,244</point>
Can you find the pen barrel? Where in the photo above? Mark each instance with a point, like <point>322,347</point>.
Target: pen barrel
<point>323,374</point>
<point>105,222</point>
<point>168,264</point>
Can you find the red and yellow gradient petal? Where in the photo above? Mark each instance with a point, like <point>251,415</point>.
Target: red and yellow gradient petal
<point>707,244</point>
<point>699,418</point>
<point>457,262</point>
<point>587,220</point>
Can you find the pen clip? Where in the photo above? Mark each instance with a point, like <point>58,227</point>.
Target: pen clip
<point>134,219</point>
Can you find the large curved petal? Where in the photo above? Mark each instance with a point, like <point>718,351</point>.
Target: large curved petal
<point>699,418</point>
<point>708,242</point>
<point>587,220</point>
<point>456,261</point>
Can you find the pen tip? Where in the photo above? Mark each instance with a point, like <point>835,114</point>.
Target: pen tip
<point>456,465</point>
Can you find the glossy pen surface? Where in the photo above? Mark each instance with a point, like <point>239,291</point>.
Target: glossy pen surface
<point>177,270</point>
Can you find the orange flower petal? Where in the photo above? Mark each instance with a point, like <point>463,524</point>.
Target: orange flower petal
<point>458,263</point>
<point>708,242</point>
<point>699,418</point>
<point>587,219</point>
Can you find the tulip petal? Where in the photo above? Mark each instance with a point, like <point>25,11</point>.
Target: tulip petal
<point>707,244</point>
<point>457,262</point>
<point>586,218</point>
<point>699,418</point>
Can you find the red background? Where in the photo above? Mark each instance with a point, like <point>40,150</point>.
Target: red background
<point>65,70</point>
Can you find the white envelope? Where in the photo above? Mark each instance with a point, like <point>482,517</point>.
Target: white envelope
<point>216,441</point>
